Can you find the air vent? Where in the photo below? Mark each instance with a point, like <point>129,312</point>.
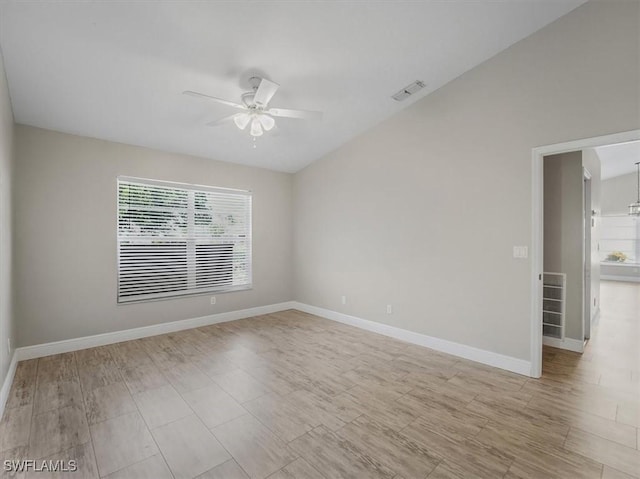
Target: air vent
<point>409,90</point>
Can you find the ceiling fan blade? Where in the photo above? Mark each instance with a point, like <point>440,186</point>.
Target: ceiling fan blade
<point>300,114</point>
<point>222,121</point>
<point>219,100</point>
<point>265,92</point>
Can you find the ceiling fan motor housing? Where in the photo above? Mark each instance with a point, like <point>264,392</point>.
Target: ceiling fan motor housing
<point>248,100</point>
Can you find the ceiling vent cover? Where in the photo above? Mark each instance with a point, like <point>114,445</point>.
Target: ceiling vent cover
<point>409,90</point>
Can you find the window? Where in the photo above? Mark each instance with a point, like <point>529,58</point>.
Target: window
<point>176,239</point>
<point>620,239</point>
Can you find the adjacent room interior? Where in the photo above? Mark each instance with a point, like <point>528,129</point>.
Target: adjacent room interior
<point>320,240</point>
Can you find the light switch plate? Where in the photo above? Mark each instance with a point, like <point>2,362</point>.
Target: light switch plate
<point>521,252</point>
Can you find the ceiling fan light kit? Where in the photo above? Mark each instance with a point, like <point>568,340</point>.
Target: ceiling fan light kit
<point>255,106</point>
<point>256,129</point>
<point>241,120</point>
<point>267,122</point>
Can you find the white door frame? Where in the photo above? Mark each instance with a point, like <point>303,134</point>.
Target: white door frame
<point>586,254</point>
<point>537,222</point>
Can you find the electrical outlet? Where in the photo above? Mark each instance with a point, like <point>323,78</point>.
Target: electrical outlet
<point>389,309</point>
<point>213,300</point>
<point>344,299</point>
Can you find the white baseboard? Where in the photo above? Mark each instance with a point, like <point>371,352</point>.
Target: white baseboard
<point>58,347</point>
<point>8,380</point>
<point>569,344</point>
<point>490,358</point>
<point>519,366</point>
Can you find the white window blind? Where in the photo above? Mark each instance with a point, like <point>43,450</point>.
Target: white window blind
<point>176,239</point>
<point>620,234</point>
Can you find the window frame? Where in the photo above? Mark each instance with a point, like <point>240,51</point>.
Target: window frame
<point>143,298</point>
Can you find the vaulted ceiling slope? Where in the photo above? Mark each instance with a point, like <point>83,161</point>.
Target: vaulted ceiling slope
<point>620,159</point>
<point>116,70</point>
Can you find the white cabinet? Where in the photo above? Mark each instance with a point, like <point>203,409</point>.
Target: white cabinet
<point>553,304</point>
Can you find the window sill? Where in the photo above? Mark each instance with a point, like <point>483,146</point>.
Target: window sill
<point>616,263</point>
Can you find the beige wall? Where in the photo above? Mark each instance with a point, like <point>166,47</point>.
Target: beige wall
<point>7,326</point>
<point>423,210</point>
<point>563,235</point>
<point>65,233</point>
<point>618,193</point>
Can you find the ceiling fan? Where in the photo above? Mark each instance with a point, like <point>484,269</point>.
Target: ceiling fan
<point>255,108</point>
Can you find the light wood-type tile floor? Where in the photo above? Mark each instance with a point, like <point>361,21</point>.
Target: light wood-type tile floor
<point>291,395</point>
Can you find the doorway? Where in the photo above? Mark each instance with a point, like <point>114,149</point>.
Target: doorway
<point>567,247</point>
<point>537,240</point>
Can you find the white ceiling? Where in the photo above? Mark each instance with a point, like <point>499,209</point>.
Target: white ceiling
<point>620,159</point>
<point>116,70</point>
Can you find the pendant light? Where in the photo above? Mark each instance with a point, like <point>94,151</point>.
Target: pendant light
<point>634,208</point>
